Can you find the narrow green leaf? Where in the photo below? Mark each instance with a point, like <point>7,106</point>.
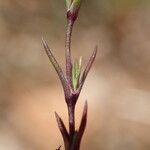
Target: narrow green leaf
<point>76,70</point>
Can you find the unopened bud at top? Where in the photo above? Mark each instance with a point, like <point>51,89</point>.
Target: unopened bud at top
<point>73,7</point>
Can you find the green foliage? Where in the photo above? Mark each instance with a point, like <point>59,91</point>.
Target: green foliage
<point>73,4</point>
<point>76,4</point>
<point>76,71</point>
<point>68,3</point>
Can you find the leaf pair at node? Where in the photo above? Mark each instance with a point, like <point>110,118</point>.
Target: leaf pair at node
<point>75,144</point>
<point>78,79</point>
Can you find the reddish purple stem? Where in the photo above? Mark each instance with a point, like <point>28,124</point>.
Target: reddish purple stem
<point>72,139</point>
<point>68,50</point>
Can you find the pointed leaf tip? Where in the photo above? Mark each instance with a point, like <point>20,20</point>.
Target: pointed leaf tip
<point>58,148</point>
<point>88,67</point>
<point>84,116</point>
<point>85,108</point>
<point>57,67</point>
<point>61,125</point>
<point>63,130</point>
<point>83,122</point>
<point>81,127</point>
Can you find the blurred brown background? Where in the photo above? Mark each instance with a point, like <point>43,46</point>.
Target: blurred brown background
<point>117,88</point>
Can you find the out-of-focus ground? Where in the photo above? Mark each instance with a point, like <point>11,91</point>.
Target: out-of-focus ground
<point>117,88</point>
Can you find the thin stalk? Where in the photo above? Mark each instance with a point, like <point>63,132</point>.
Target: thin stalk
<point>68,50</point>
<point>71,115</point>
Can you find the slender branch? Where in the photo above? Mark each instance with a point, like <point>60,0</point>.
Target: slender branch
<point>68,50</point>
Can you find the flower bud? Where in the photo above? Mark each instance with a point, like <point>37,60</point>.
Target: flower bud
<point>73,7</point>
<point>68,3</point>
